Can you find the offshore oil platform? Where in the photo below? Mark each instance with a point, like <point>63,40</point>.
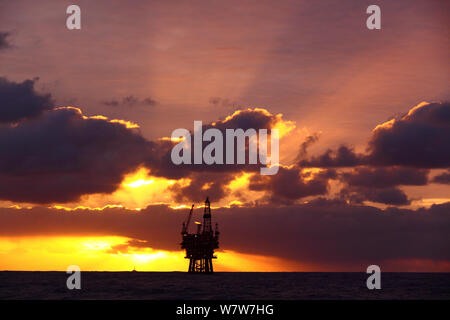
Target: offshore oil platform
<point>200,245</point>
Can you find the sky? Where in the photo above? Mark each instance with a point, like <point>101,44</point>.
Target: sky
<point>86,118</point>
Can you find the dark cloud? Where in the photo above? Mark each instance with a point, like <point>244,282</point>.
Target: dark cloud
<point>132,244</point>
<point>62,155</point>
<point>291,184</point>
<point>129,101</point>
<point>418,139</point>
<point>344,156</point>
<point>4,43</point>
<point>388,195</point>
<point>149,101</point>
<point>217,176</point>
<point>305,145</point>
<point>242,119</point>
<point>247,119</point>
<point>385,177</point>
<point>333,232</point>
<point>380,184</point>
<point>225,103</point>
<point>202,185</point>
<point>19,101</point>
<point>54,155</point>
<point>443,178</point>
<point>59,155</point>
<point>321,232</point>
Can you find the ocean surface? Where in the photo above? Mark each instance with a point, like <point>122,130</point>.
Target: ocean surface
<point>223,286</point>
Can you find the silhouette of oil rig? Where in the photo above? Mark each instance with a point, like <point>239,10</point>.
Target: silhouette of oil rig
<point>200,245</point>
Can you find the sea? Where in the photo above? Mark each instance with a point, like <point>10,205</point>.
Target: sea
<point>30,285</point>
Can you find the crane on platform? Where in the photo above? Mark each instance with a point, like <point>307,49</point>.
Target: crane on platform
<point>186,224</point>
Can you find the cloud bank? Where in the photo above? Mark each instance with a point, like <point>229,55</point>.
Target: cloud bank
<point>321,232</point>
<point>417,139</point>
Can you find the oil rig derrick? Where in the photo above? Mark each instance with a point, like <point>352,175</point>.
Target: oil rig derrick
<point>200,245</point>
